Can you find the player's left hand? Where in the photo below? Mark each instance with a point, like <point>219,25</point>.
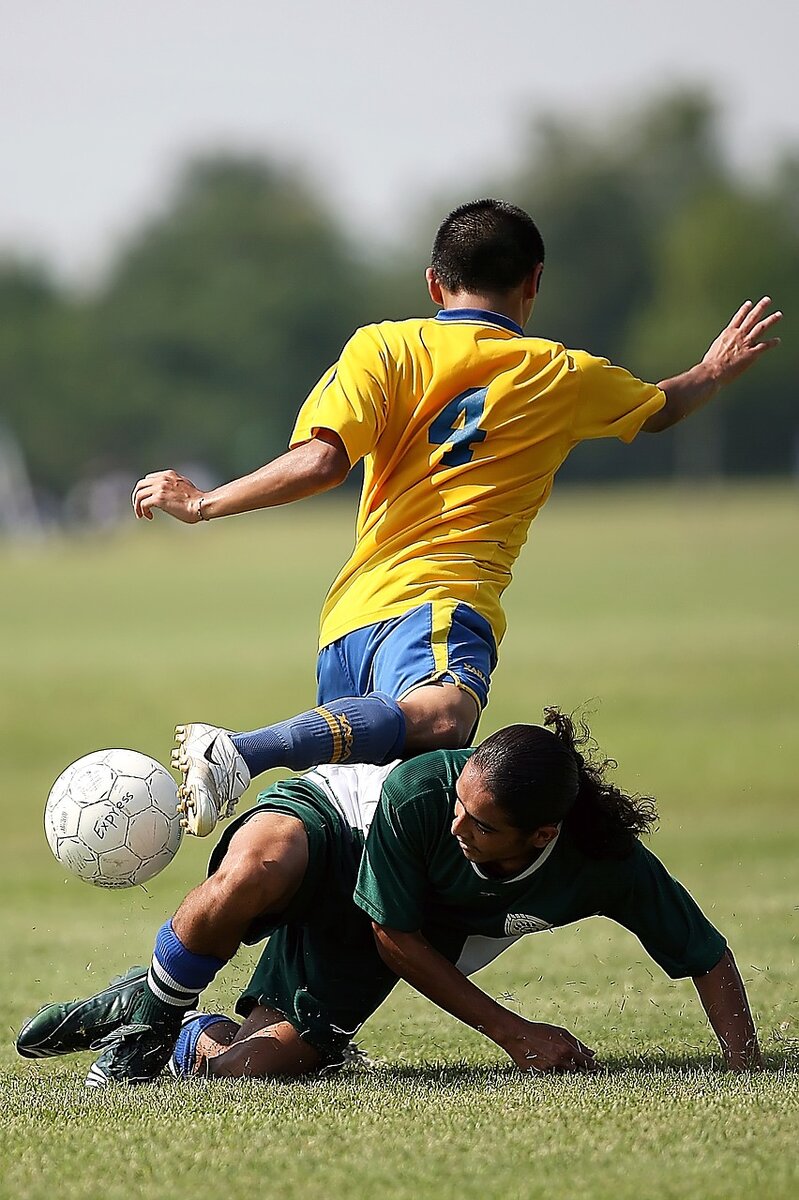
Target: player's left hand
<point>172,493</point>
<point>744,340</point>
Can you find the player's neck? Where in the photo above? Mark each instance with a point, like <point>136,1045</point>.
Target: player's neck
<point>507,868</point>
<point>506,306</point>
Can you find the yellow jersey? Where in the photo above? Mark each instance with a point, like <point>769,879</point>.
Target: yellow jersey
<point>462,422</point>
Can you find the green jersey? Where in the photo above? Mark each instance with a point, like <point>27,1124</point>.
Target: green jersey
<point>413,876</point>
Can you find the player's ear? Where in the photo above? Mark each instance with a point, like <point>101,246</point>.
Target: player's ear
<point>542,836</point>
<point>537,273</point>
<point>434,287</point>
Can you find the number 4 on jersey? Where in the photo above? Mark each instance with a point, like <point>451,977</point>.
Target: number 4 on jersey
<point>447,429</point>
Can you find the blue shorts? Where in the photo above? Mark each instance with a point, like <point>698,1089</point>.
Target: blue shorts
<point>427,644</point>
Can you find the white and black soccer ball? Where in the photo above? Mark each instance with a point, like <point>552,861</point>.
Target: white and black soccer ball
<point>111,818</point>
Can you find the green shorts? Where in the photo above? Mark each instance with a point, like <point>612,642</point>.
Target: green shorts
<point>320,967</point>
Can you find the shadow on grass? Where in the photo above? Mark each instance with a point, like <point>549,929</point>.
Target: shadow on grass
<point>462,1073</point>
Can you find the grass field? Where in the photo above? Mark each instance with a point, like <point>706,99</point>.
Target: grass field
<point>674,614</point>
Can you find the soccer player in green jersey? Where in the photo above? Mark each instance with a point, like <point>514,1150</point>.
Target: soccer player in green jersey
<point>466,851</point>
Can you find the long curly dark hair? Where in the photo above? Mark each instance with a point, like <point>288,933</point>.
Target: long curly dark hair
<point>541,776</point>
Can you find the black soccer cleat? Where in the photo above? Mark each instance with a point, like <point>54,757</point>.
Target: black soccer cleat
<point>135,1053</point>
<point>80,1025</point>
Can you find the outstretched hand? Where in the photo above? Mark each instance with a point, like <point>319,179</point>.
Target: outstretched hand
<point>743,341</point>
<point>172,493</point>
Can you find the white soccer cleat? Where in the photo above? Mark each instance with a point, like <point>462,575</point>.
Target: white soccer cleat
<point>214,776</point>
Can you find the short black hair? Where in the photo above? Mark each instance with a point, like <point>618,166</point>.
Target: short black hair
<point>486,246</point>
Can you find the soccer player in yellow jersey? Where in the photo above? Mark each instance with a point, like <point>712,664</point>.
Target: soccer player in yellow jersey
<point>461,420</point>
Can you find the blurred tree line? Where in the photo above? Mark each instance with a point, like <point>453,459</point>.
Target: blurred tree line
<point>218,316</point>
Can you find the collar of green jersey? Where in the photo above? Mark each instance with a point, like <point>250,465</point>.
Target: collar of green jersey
<point>534,866</point>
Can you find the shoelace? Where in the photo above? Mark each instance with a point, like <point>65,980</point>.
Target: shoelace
<point>120,1035</point>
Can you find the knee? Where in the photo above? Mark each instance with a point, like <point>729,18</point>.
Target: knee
<point>441,719</point>
<point>448,732</point>
<point>239,884</point>
<point>263,866</point>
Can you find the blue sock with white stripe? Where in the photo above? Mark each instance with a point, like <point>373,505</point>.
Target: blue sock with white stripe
<point>175,979</point>
<point>355,729</point>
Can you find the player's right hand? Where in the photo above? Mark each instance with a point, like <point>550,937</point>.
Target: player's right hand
<point>538,1048</point>
<point>172,493</point>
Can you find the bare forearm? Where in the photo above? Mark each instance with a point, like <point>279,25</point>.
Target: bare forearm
<point>313,467</point>
<point>724,999</point>
<point>290,477</point>
<point>685,393</point>
<point>419,964</point>
<point>533,1046</point>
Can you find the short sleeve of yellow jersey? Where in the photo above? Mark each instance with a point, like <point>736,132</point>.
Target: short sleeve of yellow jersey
<point>350,398</point>
<point>610,401</point>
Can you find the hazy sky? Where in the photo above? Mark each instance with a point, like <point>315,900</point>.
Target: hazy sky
<point>386,102</point>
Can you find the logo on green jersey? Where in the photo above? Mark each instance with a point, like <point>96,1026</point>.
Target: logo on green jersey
<point>518,923</point>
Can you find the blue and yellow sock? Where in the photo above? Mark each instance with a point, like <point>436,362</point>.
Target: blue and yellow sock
<point>365,729</point>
